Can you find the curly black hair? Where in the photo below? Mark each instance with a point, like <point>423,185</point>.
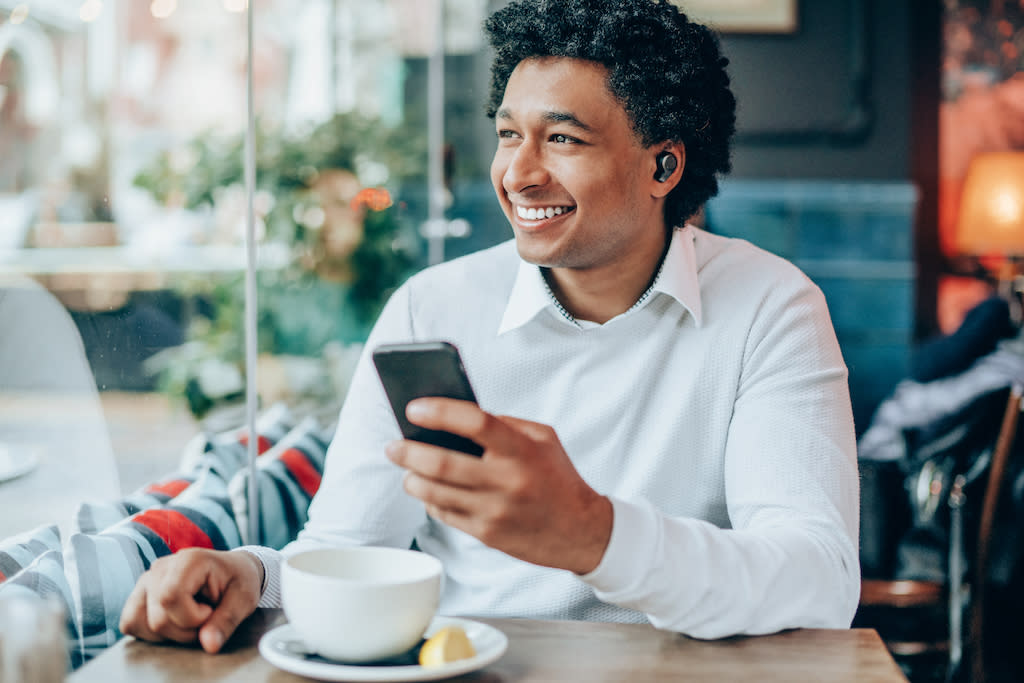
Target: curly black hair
<point>668,72</point>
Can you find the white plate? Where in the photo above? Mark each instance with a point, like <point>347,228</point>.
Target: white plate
<point>283,648</point>
<point>16,461</point>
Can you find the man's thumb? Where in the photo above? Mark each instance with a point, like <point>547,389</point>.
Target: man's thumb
<point>235,605</point>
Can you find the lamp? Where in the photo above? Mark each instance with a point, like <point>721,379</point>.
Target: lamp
<point>991,221</point>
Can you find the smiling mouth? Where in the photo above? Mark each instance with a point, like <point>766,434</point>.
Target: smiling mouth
<point>542,212</point>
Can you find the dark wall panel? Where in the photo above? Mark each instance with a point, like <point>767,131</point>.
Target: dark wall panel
<point>804,85</point>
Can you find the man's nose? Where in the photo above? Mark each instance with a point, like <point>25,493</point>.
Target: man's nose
<point>526,168</point>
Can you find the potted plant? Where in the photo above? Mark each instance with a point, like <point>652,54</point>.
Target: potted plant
<point>328,194</point>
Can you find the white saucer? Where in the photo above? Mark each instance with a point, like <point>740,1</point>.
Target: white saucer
<point>16,461</point>
<point>283,648</point>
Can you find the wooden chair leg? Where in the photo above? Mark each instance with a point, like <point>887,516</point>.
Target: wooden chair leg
<point>997,471</point>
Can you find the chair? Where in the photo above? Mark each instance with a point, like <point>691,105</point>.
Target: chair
<point>50,412</point>
<point>928,641</point>
<point>996,480</point>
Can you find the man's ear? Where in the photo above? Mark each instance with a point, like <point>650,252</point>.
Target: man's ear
<point>668,161</point>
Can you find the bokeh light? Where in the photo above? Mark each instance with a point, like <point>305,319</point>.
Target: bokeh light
<point>19,13</point>
<point>161,9</point>
<point>90,10</point>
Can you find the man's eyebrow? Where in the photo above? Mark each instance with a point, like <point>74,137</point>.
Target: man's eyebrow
<point>550,117</point>
<point>566,117</point>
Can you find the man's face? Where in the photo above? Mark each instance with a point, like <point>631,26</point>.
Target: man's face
<point>572,177</point>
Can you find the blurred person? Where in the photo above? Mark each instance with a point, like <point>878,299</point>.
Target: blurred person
<point>666,420</point>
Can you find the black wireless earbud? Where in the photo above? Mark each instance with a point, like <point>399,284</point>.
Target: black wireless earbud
<point>667,164</point>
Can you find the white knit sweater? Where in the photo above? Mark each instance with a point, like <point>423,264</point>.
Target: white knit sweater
<point>715,415</point>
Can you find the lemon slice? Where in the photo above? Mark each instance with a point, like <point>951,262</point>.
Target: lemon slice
<point>450,644</point>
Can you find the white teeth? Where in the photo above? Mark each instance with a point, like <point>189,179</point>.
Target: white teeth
<point>533,214</point>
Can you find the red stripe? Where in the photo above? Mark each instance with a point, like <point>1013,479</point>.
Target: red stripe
<point>2,577</point>
<point>263,443</point>
<point>305,474</point>
<point>176,530</point>
<point>169,488</point>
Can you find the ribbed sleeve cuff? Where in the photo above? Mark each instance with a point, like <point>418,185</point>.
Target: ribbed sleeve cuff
<point>271,559</point>
<point>634,535</point>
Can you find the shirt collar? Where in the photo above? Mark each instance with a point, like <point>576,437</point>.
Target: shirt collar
<point>679,273</point>
<point>678,279</point>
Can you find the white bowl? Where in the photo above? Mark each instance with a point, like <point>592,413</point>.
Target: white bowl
<point>363,603</point>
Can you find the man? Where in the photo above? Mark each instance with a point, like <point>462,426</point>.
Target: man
<point>665,416</point>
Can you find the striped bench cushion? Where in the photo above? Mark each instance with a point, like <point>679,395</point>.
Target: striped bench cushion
<point>288,475</point>
<point>44,578</point>
<point>225,454</point>
<point>104,567</point>
<point>20,550</point>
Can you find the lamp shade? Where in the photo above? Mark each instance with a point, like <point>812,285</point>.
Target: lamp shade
<point>991,217</point>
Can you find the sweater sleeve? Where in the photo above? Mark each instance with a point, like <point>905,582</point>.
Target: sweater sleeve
<point>790,559</point>
<point>270,594</point>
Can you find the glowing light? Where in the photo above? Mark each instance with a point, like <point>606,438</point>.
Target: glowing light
<point>161,9</point>
<point>19,13</point>
<point>991,217</point>
<point>1007,207</point>
<point>90,10</point>
<point>236,5</point>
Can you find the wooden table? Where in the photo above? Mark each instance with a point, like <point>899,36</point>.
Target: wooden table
<point>548,651</point>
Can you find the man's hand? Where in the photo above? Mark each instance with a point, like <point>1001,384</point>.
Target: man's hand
<point>194,595</point>
<point>523,496</point>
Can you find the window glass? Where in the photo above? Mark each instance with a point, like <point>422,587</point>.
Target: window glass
<point>123,213</point>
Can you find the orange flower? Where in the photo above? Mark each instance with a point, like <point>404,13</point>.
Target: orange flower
<point>373,198</point>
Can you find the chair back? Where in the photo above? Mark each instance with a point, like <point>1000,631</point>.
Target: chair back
<point>990,502</point>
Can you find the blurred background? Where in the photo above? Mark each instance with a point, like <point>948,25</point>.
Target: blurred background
<point>880,147</point>
<point>122,202</point>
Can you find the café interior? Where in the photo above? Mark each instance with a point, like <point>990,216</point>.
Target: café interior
<point>187,186</point>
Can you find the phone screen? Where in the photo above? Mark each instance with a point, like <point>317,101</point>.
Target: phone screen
<point>418,369</point>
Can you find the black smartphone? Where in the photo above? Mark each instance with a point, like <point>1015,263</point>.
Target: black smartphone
<point>418,369</point>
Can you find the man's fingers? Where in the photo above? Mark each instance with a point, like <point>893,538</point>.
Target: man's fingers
<point>446,413</point>
<point>175,599</point>
<point>534,430</point>
<point>175,616</point>
<point>237,603</point>
<point>144,618</point>
<point>168,631</point>
<point>193,571</point>
<point>133,615</point>
<point>439,493</point>
<point>178,609</point>
<point>456,519</point>
<point>434,462</point>
<point>463,418</point>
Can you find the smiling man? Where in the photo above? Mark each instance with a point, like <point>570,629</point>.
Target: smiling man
<point>664,413</point>
<point>579,187</point>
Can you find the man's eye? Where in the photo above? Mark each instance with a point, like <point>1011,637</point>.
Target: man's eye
<point>507,134</point>
<point>558,137</point>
